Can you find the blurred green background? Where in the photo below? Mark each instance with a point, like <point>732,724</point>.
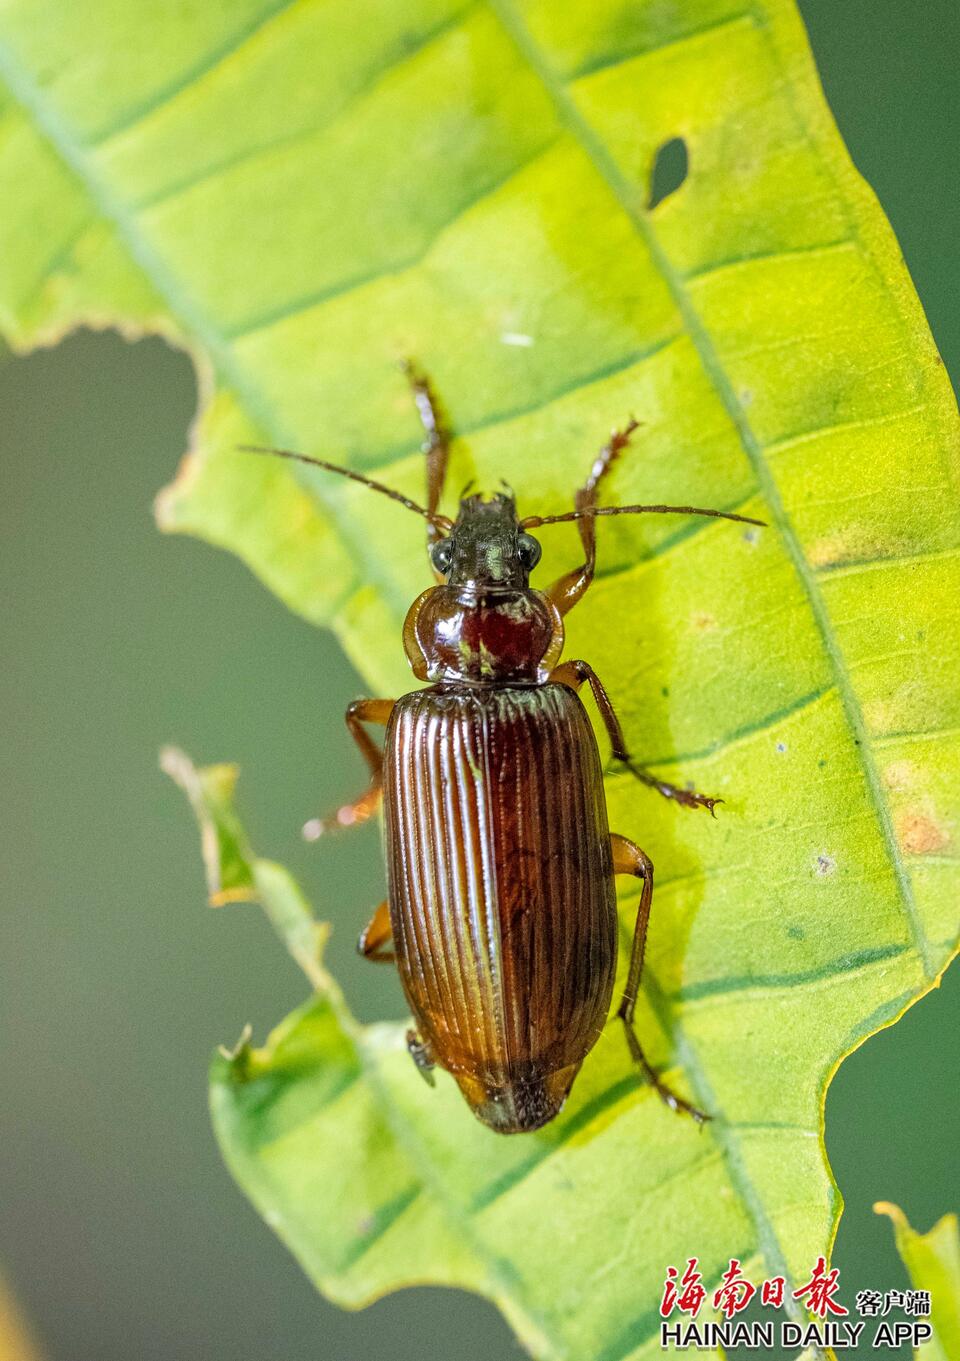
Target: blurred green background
<point>120,1231</point>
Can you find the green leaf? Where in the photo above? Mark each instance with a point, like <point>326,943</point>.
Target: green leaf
<point>933,1261</point>
<point>302,194</point>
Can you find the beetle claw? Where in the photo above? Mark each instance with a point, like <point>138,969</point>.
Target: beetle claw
<point>687,798</point>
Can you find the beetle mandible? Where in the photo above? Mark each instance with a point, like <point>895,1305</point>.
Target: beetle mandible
<point>500,865</point>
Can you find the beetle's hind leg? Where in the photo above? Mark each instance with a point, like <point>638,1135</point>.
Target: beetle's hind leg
<point>376,935</point>
<point>359,810</point>
<point>436,444</point>
<point>630,859</point>
<point>422,1055</point>
<point>574,674</point>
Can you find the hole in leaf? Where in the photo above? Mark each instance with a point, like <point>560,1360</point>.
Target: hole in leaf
<point>670,168</point>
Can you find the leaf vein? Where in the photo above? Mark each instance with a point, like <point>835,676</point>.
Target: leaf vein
<point>669,542</point>
<point>320,297</point>
<point>926,735</point>
<point>841,427</point>
<point>741,734</point>
<point>222,167</point>
<point>167,93</point>
<point>709,272</point>
<point>516,1176</point>
<point>855,566</point>
<point>384,1218</point>
<point>835,968</point>
<point>675,40</point>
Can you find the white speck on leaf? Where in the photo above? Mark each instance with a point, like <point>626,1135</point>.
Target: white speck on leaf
<point>516,338</point>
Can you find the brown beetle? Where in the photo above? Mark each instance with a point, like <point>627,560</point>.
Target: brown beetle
<point>500,863</point>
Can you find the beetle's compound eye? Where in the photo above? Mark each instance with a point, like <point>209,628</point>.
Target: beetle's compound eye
<point>441,555</point>
<point>528,550</point>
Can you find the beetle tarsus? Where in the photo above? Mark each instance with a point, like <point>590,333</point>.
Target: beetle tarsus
<point>576,673</point>
<point>687,798</point>
<point>349,815</point>
<point>422,1055</point>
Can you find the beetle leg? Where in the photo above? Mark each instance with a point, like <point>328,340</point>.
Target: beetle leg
<point>567,590</point>
<point>350,814</point>
<point>578,672</point>
<point>687,798</point>
<point>422,1055</point>
<point>375,936</point>
<point>436,446</point>
<point>574,674</point>
<point>630,859</point>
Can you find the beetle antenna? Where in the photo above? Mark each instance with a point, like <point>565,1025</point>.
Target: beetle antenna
<point>589,512</point>
<point>440,521</point>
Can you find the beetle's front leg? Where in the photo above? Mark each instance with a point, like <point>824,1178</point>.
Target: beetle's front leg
<point>574,674</point>
<point>436,444</point>
<point>630,859</point>
<point>351,814</point>
<point>568,589</point>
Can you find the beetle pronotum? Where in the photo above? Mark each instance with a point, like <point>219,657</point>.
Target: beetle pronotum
<point>500,865</point>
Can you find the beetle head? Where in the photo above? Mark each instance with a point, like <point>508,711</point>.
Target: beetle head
<point>486,545</point>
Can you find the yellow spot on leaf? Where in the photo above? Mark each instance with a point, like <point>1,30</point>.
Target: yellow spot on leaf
<point>854,543</point>
<point>919,832</point>
<point>900,775</point>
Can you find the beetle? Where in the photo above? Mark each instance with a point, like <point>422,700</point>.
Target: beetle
<point>501,904</point>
